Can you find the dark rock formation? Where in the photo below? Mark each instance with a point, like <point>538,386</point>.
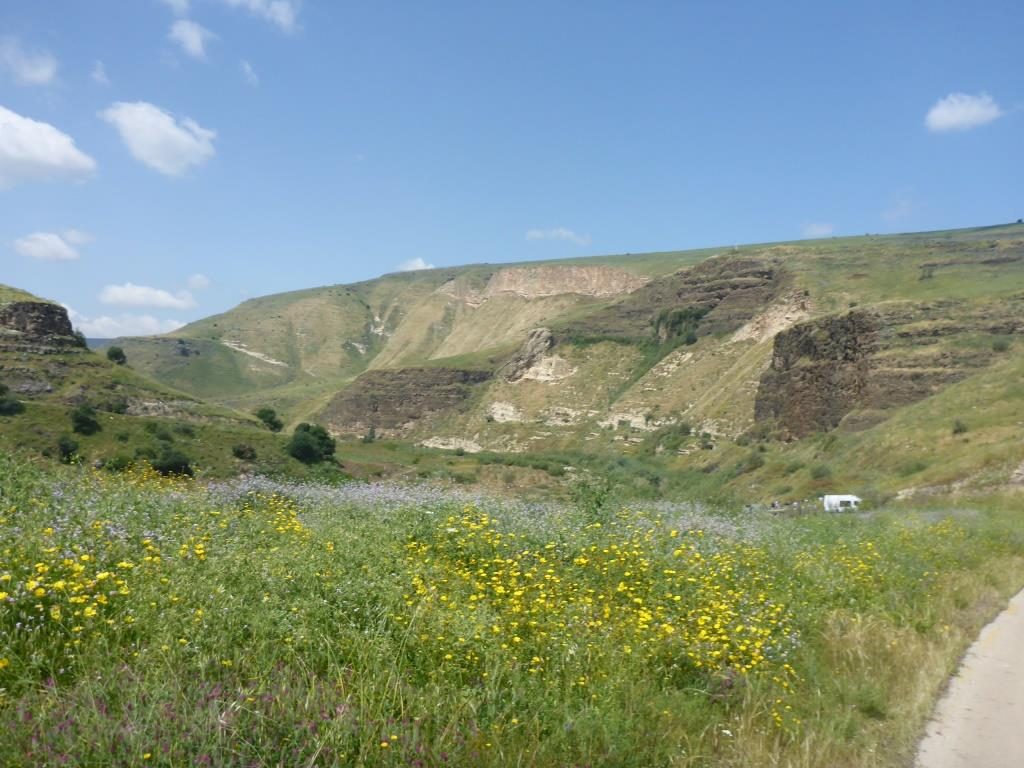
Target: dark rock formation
<point>723,292</point>
<point>394,400</point>
<point>824,369</point>
<point>36,327</point>
<point>537,345</point>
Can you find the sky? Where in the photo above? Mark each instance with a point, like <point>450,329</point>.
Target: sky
<point>164,160</point>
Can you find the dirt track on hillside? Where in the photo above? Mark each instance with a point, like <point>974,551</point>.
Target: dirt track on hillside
<point>979,722</point>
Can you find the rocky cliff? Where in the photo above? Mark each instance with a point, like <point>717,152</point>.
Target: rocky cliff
<point>879,359</point>
<point>392,401</point>
<point>36,327</point>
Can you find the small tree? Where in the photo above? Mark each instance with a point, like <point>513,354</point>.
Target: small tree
<point>310,444</point>
<point>116,355</point>
<point>243,451</point>
<point>83,420</point>
<point>172,462</point>
<point>270,419</point>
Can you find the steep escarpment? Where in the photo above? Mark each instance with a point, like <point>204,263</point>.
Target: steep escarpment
<point>722,293</point>
<point>393,401</point>
<point>878,359</point>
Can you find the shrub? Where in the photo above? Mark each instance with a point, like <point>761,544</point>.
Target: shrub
<point>310,444</point>
<point>460,451</point>
<point>753,461</point>
<point>116,355</point>
<point>115,405</point>
<point>67,449</point>
<point>83,420</point>
<point>185,429</point>
<point>270,419</point>
<point>821,471</point>
<point>370,436</point>
<point>172,462</point>
<point>243,451</point>
<point>959,427</point>
<point>117,463</point>
<point>8,405</point>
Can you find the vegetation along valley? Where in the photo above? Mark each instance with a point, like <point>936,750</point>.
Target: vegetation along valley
<point>306,461</point>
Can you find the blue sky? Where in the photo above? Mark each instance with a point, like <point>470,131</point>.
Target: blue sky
<point>162,160</point>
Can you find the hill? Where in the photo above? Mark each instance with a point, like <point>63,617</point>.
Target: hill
<point>733,363</point>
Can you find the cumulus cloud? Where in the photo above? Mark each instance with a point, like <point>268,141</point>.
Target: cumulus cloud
<point>558,233</point>
<point>412,265</point>
<point>283,13</point>
<point>159,140</point>
<point>50,246</point>
<point>249,73</point>
<point>961,112</point>
<point>99,74</point>
<point>180,7</point>
<point>26,67</point>
<point>818,230</point>
<point>107,327</point>
<point>192,37</point>
<point>198,282</point>
<point>36,151</point>
<point>131,295</point>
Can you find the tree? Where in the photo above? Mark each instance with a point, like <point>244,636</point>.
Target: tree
<point>116,355</point>
<point>172,462</point>
<point>269,418</point>
<point>310,444</point>
<point>83,420</point>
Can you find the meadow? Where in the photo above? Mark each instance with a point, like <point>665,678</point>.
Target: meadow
<point>147,620</point>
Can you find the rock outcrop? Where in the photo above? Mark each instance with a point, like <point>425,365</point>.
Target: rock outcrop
<point>721,293</point>
<point>36,327</point>
<point>824,369</point>
<point>533,350</point>
<point>393,401</point>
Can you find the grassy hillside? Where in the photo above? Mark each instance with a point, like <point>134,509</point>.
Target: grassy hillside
<point>618,377</point>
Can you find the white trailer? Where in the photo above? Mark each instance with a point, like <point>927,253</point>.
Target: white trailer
<point>840,502</point>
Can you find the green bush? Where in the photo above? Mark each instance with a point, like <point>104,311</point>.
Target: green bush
<point>821,471</point>
<point>83,420</point>
<point>117,463</point>
<point>8,405</point>
<point>67,448</point>
<point>116,355</point>
<point>1000,345</point>
<point>959,427</point>
<point>270,419</point>
<point>310,444</point>
<point>243,451</point>
<point>172,462</point>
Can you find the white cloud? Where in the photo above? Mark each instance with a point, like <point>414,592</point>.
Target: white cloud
<point>157,139</point>
<point>191,37</point>
<point>250,74</point>
<point>48,246</point>
<point>413,264</point>
<point>818,230</point>
<point>131,295</point>
<point>961,112</point>
<point>106,327</point>
<point>198,282</point>
<point>180,7</point>
<point>283,13</point>
<point>99,74</point>
<point>27,68</point>
<point>35,151</point>
<point>558,233</point>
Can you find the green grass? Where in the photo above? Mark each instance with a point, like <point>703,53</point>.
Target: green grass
<point>9,294</point>
<point>149,621</point>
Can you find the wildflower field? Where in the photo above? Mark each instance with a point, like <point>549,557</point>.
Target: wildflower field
<point>156,621</point>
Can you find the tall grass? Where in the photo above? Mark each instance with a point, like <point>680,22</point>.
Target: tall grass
<point>149,621</point>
